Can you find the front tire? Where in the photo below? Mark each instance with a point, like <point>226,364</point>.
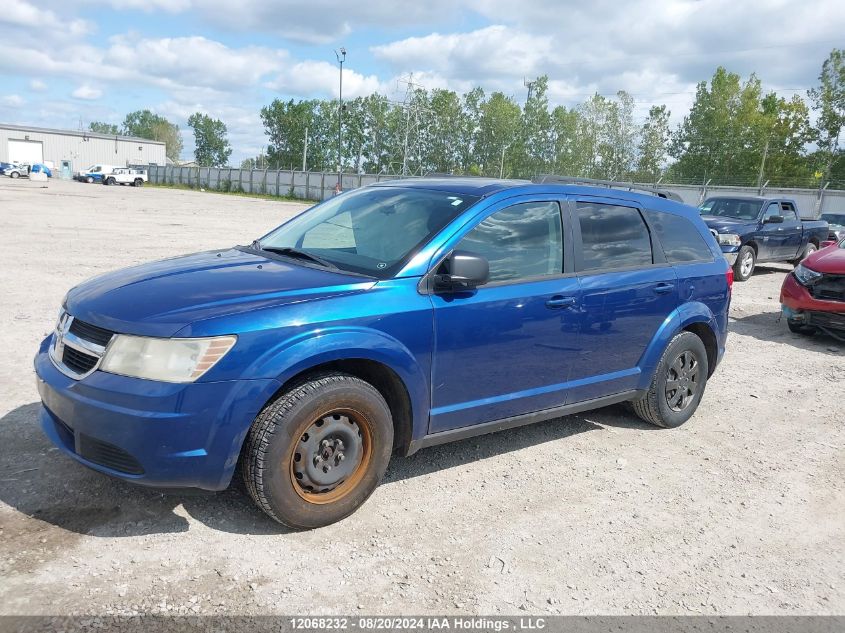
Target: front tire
<point>14,174</point>
<point>746,260</point>
<point>678,383</point>
<point>799,328</point>
<point>318,451</point>
<point>89,180</point>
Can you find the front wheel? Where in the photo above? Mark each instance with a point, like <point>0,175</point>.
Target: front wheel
<point>14,174</point>
<point>317,452</point>
<point>746,259</point>
<point>678,383</point>
<point>89,180</point>
<point>797,327</point>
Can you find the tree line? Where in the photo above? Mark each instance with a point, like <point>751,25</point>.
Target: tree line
<point>735,133</point>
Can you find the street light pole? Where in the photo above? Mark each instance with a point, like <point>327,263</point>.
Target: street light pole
<point>341,57</point>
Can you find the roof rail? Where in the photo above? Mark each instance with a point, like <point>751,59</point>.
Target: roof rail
<point>611,184</point>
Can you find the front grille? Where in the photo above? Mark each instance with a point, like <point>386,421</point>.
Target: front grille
<point>107,455</point>
<point>90,332</point>
<point>830,320</point>
<point>829,288</point>
<point>77,361</point>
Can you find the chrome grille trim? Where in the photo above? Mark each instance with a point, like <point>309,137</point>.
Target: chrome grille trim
<point>63,337</point>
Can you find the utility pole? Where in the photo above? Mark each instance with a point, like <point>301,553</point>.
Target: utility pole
<point>762,166</point>
<point>502,164</point>
<point>530,85</point>
<point>341,57</point>
<point>305,151</point>
<point>411,109</point>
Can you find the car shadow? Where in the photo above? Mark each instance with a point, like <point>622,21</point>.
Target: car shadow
<point>770,326</point>
<point>46,486</point>
<point>772,269</point>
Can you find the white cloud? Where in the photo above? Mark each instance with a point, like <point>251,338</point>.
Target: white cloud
<point>310,78</point>
<point>87,93</point>
<point>26,17</point>
<point>36,85</point>
<point>12,101</point>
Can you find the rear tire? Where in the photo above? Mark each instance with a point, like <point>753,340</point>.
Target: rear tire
<point>745,262</point>
<point>677,385</point>
<point>318,451</point>
<point>110,181</point>
<point>138,182</point>
<point>808,250</point>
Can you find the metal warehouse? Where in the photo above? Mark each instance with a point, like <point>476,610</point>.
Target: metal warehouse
<point>71,150</point>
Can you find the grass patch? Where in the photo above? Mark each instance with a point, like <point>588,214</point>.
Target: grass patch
<point>232,192</point>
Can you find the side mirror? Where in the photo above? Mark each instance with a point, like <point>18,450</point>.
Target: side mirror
<point>773,219</point>
<point>466,271</point>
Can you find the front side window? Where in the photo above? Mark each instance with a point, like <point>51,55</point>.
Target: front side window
<point>680,239</point>
<point>521,242</point>
<point>772,210</point>
<point>788,212</point>
<point>613,237</point>
<point>371,231</point>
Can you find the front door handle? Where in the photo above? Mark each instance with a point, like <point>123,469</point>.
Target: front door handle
<point>664,288</point>
<point>559,301</point>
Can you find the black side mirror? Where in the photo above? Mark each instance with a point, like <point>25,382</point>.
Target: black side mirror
<point>466,271</point>
<point>773,219</point>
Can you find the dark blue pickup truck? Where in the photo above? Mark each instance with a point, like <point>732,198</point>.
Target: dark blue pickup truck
<point>753,230</point>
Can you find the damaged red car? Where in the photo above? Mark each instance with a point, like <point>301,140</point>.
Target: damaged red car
<point>813,295</point>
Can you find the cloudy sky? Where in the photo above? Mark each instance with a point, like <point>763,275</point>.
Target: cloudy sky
<point>64,61</point>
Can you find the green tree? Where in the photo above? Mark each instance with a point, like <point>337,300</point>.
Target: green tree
<point>534,151</point>
<point>498,129</point>
<point>653,145</point>
<point>145,124</point>
<point>211,145</point>
<point>285,123</point>
<point>829,103</point>
<point>104,128</point>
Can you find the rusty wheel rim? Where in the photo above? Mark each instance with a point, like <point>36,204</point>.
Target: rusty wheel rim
<point>330,456</point>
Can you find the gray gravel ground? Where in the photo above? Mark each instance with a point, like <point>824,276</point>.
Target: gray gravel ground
<point>741,510</point>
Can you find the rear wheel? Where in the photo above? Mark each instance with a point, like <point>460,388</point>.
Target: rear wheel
<point>678,383</point>
<point>808,250</point>
<point>138,182</point>
<point>317,452</point>
<point>110,181</point>
<point>746,259</point>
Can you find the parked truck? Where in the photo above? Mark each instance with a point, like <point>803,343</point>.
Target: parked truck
<point>753,230</point>
<point>126,176</point>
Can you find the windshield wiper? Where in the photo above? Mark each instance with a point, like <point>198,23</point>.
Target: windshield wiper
<point>288,251</point>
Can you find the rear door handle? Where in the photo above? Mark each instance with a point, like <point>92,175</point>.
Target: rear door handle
<point>663,288</point>
<point>559,301</point>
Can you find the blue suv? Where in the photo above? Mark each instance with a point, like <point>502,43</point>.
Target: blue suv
<point>386,319</point>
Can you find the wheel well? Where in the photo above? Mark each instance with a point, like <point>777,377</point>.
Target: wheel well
<point>380,376</point>
<point>754,246</point>
<point>814,241</point>
<point>703,331</point>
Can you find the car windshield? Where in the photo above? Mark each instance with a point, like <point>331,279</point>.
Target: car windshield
<point>735,208</point>
<point>834,218</point>
<point>372,231</point>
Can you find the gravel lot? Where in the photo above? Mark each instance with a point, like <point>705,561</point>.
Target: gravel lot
<point>742,510</point>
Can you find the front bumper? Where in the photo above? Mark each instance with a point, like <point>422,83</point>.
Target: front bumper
<point>730,253</point>
<point>798,305</point>
<point>152,433</point>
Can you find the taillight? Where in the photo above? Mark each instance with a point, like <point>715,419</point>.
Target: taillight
<point>729,276</point>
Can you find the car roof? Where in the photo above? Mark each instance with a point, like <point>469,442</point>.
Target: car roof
<point>482,187</point>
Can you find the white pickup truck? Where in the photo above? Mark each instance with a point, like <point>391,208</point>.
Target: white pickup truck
<point>126,176</point>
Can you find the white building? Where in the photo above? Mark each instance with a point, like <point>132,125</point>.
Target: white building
<point>71,150</point>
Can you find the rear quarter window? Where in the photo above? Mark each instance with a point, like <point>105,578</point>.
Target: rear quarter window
<point>679,237</point>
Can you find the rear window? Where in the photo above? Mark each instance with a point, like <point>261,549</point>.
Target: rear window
<point>613,237</point>
<point>680,239</point>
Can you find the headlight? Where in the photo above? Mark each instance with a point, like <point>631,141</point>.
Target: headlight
<point>806,276</point>
<point>729,239</point>
<point>165,359</point>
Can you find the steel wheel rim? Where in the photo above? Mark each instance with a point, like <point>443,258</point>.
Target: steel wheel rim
<point>682,381</point>
<point>747,263</point>
<point>316,448</point>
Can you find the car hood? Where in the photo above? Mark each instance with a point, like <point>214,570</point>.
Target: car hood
<point>830,260</point>
<point>160,298</point>
<point>727,225</point>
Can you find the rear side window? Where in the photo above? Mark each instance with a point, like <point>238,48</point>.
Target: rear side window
<point>613,237</point>
<point>680,239</point>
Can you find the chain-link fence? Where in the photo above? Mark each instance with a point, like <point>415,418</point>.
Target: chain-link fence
<point>319,185</point>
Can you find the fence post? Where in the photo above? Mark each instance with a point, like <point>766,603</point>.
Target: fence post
<point>278,173</point>
<point>359,180</point>
<point>264,183</point>
<point>291,191</point>
<point>322,185</point>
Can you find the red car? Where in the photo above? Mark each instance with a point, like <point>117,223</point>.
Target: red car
<point>813,295</point>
